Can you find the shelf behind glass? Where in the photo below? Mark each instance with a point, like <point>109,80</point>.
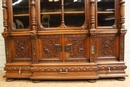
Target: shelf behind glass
<point>106,19</point>
<point>20,14</point>
<point>106,5</point>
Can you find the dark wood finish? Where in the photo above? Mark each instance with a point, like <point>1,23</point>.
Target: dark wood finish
<point>70,51</point>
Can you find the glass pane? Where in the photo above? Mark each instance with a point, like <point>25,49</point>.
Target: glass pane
<point>20,14</point>
<point>74,12</point>
<point>105,19</point>
<point>106,12</point>
<point>50,13</point>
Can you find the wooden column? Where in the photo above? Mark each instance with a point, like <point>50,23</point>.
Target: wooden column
<point>5,15</point>
<point>6,31</point>
<point>33,15</point>
<point>62,15</point>
<point>122,30</point>
<point>33,32</point>
<point>92,31</point>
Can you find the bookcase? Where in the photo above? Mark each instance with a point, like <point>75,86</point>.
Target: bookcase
<point>64,39</point>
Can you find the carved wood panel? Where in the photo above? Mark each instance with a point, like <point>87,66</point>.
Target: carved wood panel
<point>78,45</point>
<point>49,48</point>
<point>106,46</point>
<point>22,48</point>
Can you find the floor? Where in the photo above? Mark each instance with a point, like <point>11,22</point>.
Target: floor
<point>99,83</point>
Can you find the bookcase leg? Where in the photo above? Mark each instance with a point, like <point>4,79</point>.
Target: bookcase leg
<point>91,80</point>
<point>9,79</point>
<point>120,78</point>
<point>36,81</point>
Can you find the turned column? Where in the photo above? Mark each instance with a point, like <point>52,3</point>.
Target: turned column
<point>92,31</point>
<point>6,30</point>
<point>33,32</point>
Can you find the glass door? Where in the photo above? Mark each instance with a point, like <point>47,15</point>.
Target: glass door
<point>20,14</point>
<point>105,12</point>
<point>50,13</point>
<point>61,13</point>
<point>74,12</point>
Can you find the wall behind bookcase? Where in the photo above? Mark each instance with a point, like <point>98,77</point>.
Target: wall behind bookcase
<point>127,41</point>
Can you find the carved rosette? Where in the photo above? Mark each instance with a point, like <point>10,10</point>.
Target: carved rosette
<point>33,15</point>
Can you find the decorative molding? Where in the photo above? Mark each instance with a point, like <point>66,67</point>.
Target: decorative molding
<point>112,67</point>
<point>16,68</point>
<point>70,69</point>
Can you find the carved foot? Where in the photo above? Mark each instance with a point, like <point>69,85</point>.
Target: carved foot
<point>91,80</point>
<point>36,81</point>
<point>120,78</point>
<point>9,80</point>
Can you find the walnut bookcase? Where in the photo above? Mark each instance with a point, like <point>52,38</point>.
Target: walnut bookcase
<point>64,39</point>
